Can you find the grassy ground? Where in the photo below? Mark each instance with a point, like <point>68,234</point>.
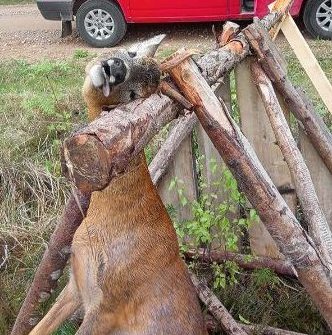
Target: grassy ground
<point>39,104</point>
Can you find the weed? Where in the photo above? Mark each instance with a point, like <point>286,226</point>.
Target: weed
<point>80,53</point>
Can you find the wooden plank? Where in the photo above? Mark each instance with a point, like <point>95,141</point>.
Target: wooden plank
<point>181,168</point>
<point>320,175</point>
<point>256,127</point>
<point>307,60</point>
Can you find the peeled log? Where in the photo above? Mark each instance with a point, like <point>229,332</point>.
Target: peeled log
<point>213,325</point>
<point>215,64</point>
<point>253,180</point>
<point>216,308</point>
<point>183,127</point>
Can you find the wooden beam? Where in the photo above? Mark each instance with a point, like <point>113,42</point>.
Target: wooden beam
<point>307,60</point>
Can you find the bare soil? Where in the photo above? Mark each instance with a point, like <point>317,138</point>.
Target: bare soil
<point>25,34</point>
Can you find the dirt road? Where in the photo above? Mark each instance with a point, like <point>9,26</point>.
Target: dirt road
<point>25,34</point>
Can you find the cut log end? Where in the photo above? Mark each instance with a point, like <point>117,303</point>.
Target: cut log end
<point>85,161</point>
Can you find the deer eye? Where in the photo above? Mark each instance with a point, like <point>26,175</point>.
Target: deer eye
<point>132,54</point>
<point>132,95</point>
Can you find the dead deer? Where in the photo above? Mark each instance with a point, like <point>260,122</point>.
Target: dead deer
<point>126,272</point>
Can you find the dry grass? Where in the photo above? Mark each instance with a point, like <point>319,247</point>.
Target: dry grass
<point>39,104</point>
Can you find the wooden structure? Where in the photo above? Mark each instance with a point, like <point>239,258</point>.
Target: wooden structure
<point>262,158</point>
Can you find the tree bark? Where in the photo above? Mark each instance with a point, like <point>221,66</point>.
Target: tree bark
<point>52,263</point>
<point>253,180</point>
<point>98,152</point>
<point>183,127</point>
<point>247,262</point>
<point>216,308</point>
<point>215,64</point>
<point>318,227</point>
<point>213,325</point>
<point>314,126</point>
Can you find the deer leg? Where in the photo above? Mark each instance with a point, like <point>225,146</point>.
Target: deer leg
<point>66,304</point>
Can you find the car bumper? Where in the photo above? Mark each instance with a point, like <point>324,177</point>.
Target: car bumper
<point>60,10</point>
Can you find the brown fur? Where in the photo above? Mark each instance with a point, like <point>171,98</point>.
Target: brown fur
<point>126,270</point>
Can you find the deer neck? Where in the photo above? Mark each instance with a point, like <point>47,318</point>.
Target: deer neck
<point>128,191</point>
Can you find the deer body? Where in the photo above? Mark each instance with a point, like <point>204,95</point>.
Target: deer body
<point>127,274</point>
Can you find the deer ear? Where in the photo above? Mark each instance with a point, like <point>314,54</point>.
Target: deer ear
<point>146,48</point>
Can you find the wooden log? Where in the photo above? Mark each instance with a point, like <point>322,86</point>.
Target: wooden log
<point>215,64</point>
<point>96,153</point>
<point>53,262</point>
<point>314,126</point>
<point>216,308</point>
<point>256,126</point>
<point>211,155</point>
<point>213,325</point>
<point>229,32</point>
<point>247,262</point>
<point>313,215</point>
<point>237,153</point>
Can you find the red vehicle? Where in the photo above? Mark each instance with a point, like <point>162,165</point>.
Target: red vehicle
<point>103,23</point>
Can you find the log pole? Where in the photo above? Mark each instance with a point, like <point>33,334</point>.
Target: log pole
<point>213,325</point>
<point>160,163</point>
<point>253,180</point>
<point>313,215</point>
<point>247,262</point>
<point>100,151</point>
<point>216,308</point>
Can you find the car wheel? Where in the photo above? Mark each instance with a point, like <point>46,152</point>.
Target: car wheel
<point>317,18</point>
<point>100,23</point>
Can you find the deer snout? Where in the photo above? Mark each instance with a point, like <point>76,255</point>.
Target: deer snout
<point>116,70</point>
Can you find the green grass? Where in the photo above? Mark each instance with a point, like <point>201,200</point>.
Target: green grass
<point>39,105</point>
<point>16,2</point>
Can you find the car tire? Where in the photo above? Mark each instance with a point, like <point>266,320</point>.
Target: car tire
<point>317,17</point>
<point>100,23</point>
